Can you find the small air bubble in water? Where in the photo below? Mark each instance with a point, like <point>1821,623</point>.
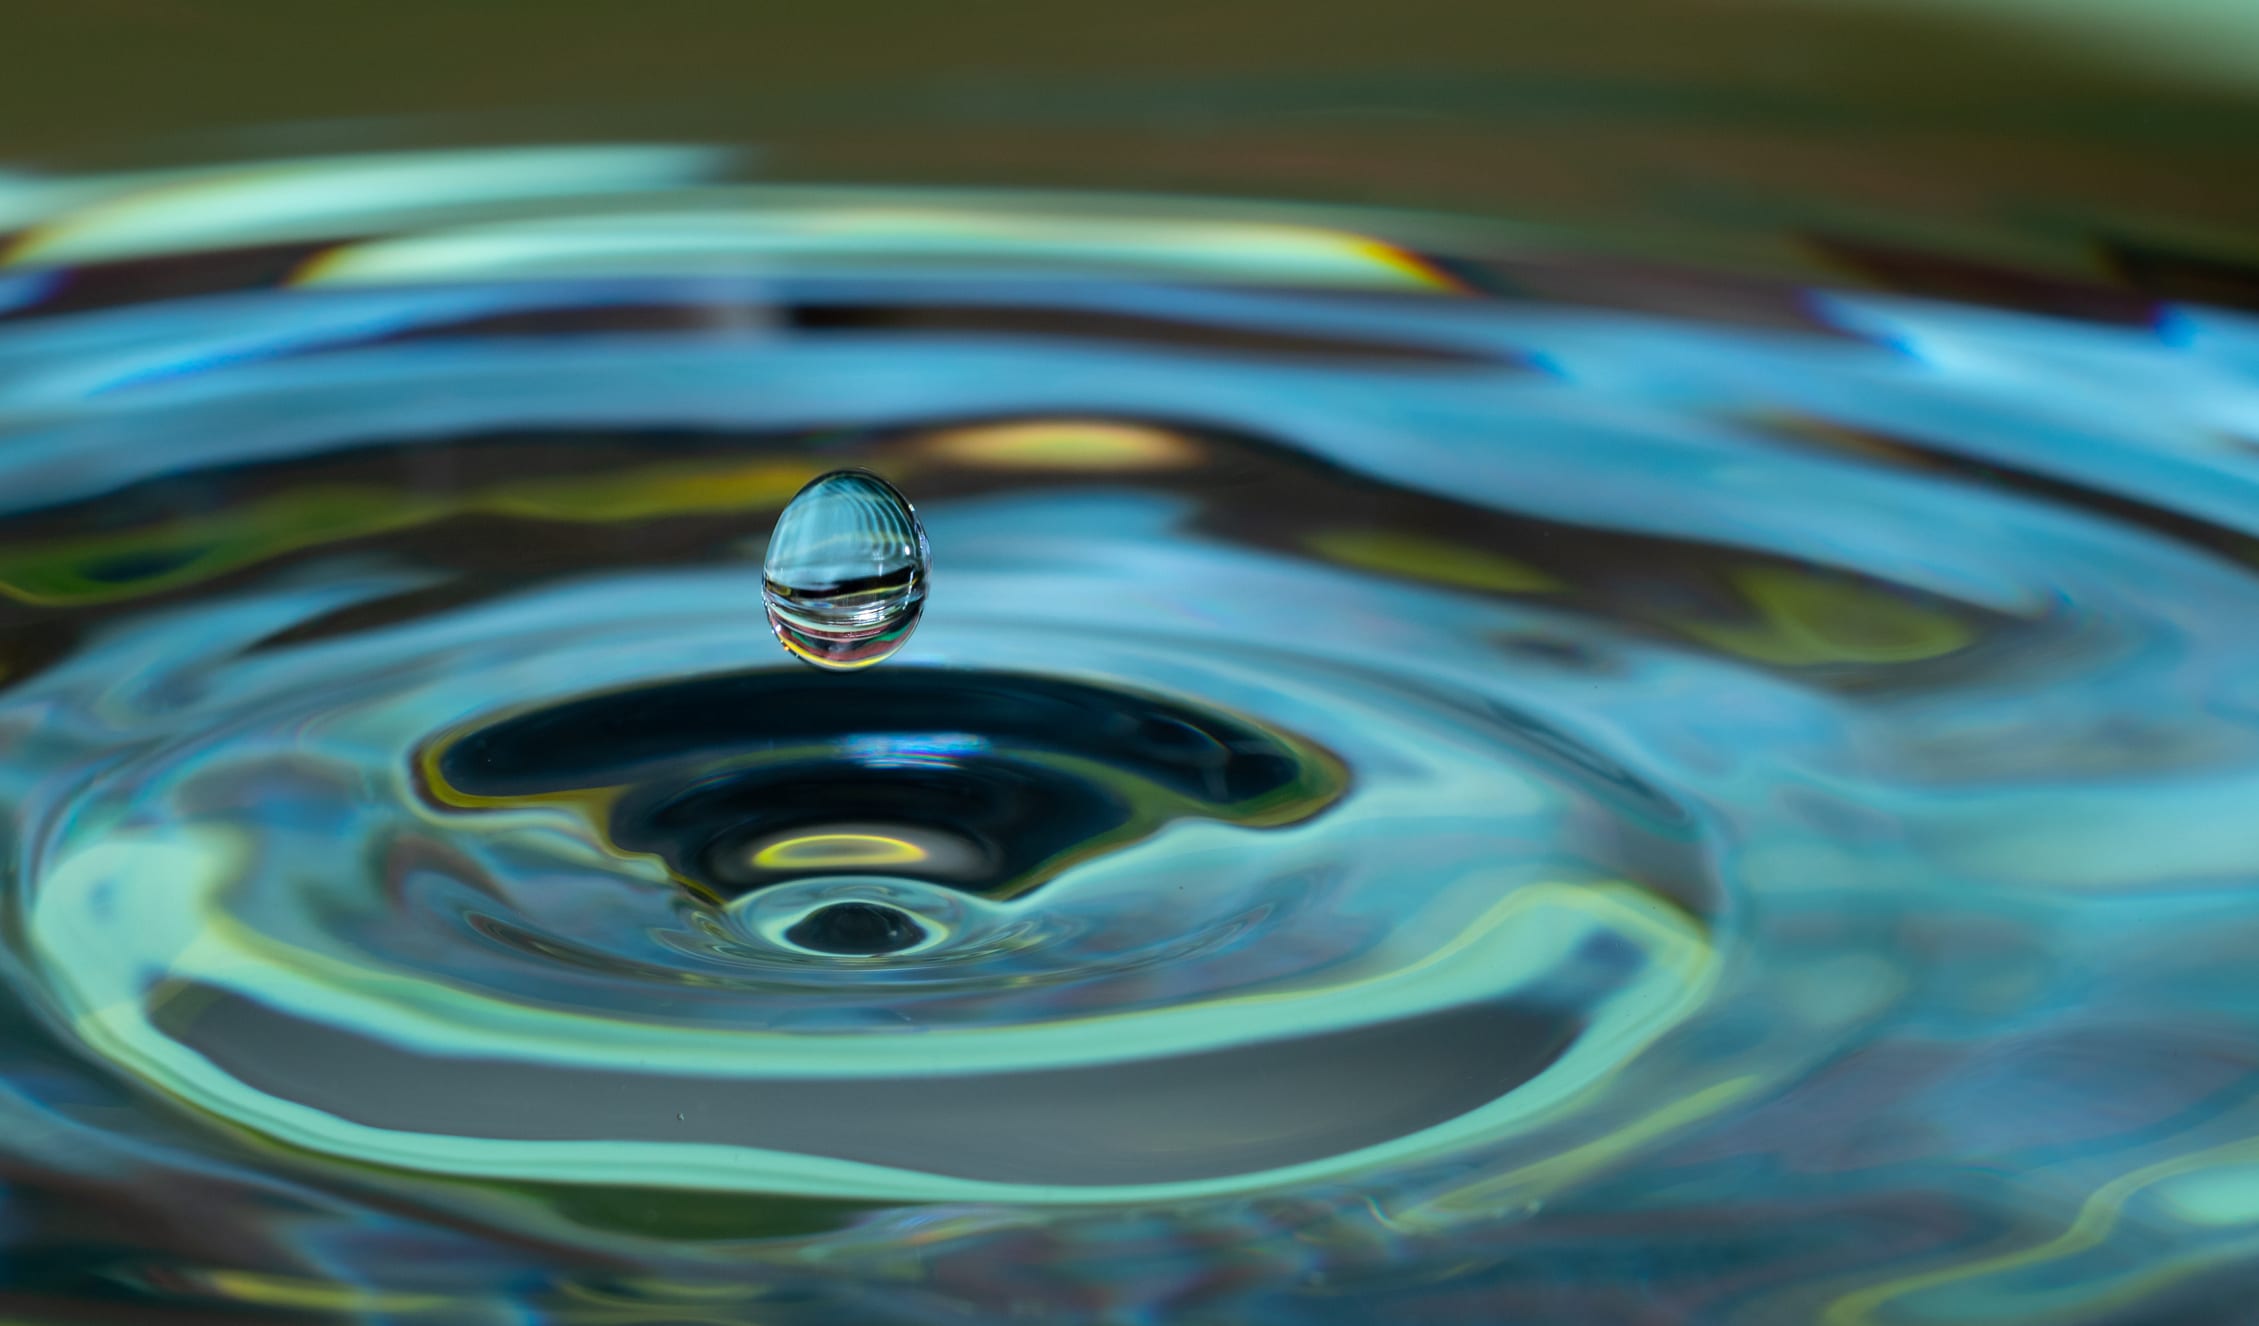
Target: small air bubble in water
<point>845,577</point>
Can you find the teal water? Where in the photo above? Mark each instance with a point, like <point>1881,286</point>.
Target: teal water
<point>1408,801</point>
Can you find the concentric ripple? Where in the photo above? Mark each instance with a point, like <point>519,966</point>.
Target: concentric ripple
<point>574,955</point>
<point>1410,794</point>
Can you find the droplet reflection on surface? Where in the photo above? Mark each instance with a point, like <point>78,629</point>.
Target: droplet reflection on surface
<point>845,576</point>
<point>855,929</point>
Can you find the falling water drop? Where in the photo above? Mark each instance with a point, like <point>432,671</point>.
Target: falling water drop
<point>845,578</point>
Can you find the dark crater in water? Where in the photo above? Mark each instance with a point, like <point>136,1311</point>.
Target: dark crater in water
<point>985,781</point>
<point>856,929</point>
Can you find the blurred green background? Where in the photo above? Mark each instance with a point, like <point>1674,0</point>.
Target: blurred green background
<point>2078,140</point>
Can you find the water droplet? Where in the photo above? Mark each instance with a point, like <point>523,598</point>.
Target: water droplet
<point>855,928</point>
<point>845,578</point>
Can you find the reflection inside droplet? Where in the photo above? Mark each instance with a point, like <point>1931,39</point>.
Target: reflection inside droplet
<point>856,929</point>
<point>845,576</point>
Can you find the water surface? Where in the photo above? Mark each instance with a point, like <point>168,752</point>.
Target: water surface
<point>1434,784</point>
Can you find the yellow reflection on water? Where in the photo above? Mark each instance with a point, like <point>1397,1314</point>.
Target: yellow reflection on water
<point>830,851</point>
<point>1066,444</point>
